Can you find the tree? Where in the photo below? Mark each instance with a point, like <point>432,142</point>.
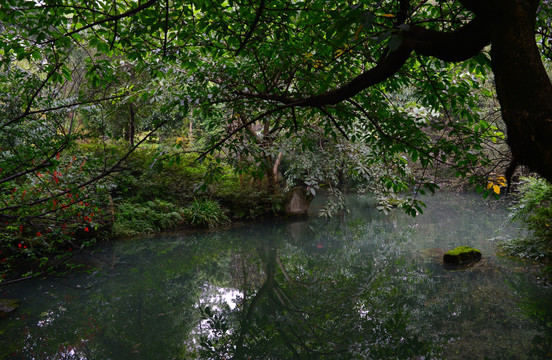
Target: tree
<point>293,61</point>
<point>522,84</point>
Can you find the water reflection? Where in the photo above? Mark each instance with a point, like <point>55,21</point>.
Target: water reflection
<point>361,286</point>
<point>314,305</point>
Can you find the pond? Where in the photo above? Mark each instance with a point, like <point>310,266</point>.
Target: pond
<point>362,285</point>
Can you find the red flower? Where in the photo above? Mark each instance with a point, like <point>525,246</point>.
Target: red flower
<point>38,234</point>
<point>19,245</point>
<point>86,229</point>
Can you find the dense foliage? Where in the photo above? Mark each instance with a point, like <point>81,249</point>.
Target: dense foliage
<point>384,97</point>
<point>533,209</point>
<point>157,189</point>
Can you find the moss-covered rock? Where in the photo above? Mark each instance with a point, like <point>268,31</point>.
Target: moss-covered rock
<point>462,255</point>
<point>8,305</point>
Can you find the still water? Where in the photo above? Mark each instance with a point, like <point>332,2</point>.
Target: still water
<point>359,286</point>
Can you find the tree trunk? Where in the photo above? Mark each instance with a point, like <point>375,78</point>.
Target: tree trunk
<point>131,122</point>
<point>522,84</point>
<point>271,185</point>
<point>276,166</point>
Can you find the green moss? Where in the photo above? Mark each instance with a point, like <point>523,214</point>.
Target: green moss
<point>463,249</point>
<point>461,255</point>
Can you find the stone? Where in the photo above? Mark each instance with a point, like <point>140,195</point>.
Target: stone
<point>462,255</point>
<point>8,306</point>
<point>298,201</point>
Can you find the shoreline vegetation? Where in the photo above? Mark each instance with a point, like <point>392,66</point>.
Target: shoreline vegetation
<point>161,189</point>
<point>157,189</point>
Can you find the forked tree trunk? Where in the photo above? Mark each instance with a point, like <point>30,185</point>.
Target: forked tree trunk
<point>522,84</point>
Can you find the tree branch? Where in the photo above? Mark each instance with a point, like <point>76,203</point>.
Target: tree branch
<point>253,26</point>
<point>27,110</point>
<point>109,18</point>
<point>42,111</point>
<point>44,164</point>
<point>243,126</point>
<point>334,121</point>
<point>457,45</point>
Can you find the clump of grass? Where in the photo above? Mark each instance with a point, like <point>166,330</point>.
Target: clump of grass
<point>205,213</point>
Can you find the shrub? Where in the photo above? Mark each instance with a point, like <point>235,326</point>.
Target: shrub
<point>205,213</point>
<point>151,216</point>
<point>47,212</point>
<point>533,209</point>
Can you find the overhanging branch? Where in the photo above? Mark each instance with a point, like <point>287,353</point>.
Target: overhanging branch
<point>457,45</point>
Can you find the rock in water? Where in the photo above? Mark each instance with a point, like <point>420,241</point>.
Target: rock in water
<point>462,255</point>
<point>298,201</point>
<point>8,305</point>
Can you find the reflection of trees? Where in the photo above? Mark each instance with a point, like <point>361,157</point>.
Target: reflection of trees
<point>536,307</point>
<point>142,308</point>
<point>361,288</point>
<point>314,305</point>
<point>356,287</point>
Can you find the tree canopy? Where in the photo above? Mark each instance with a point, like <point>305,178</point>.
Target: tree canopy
<point>407,78</point>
